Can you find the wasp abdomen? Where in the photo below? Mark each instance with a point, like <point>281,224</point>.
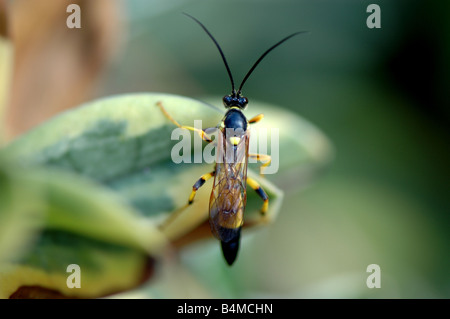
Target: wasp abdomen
<point>227,213</point>
<point>230,248</point>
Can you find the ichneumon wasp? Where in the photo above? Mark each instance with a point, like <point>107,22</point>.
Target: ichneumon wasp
<point>228,196</point>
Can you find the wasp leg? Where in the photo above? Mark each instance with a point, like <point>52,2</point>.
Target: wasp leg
<point>254,184</point>
<point>196,186</point>
<point>260,157</point>
<point>256,118</point>
<point>199,184</point>
<point>202,133</point>
<point>266,159</point>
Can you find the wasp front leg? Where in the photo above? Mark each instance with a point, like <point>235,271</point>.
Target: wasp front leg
<point>261,193</point>
<point>256,118</point>
<point>202,133</point>
<point>202,179</point>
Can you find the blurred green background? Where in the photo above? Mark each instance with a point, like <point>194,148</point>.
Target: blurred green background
<point>382,97</point>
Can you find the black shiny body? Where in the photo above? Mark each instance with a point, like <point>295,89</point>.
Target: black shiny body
<point>231,247</point>
<point>235,119</point>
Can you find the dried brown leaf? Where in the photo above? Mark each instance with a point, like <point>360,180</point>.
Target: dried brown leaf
<point>56,67</point>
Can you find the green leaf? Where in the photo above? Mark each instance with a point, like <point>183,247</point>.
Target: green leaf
<point>110,179</point>
<point>104,268</point>
<point>111,137</point>
<point>21,212</point>
<point>6,65</point>
<point>124,142</point>
<point>67,219</point>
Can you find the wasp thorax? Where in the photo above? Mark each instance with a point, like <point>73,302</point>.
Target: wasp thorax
<point>235,120</point>
<point>234,100</point>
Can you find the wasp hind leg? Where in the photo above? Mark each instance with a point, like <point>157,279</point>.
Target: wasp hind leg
<point>258,189</point>
<point>199,184</point>
<point>196,186</point>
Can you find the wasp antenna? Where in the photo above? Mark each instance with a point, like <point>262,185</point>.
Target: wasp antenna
<point>264,54</point>
<point>218,47</point>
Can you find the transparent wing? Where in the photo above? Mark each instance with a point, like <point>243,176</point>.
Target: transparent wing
<point>229,196</point>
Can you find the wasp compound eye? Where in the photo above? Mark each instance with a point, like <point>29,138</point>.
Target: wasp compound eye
<point>242,102</point>
<point>227,101</point>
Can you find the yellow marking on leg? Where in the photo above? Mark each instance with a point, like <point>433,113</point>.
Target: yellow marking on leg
<point>266,159</point>
<point>265,207</point>
<point>258,189</point>
<point>202,133</point>
<point>199,184</point>
<point>256,118</point>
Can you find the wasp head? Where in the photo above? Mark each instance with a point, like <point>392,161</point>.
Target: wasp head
<point>235,100</point>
